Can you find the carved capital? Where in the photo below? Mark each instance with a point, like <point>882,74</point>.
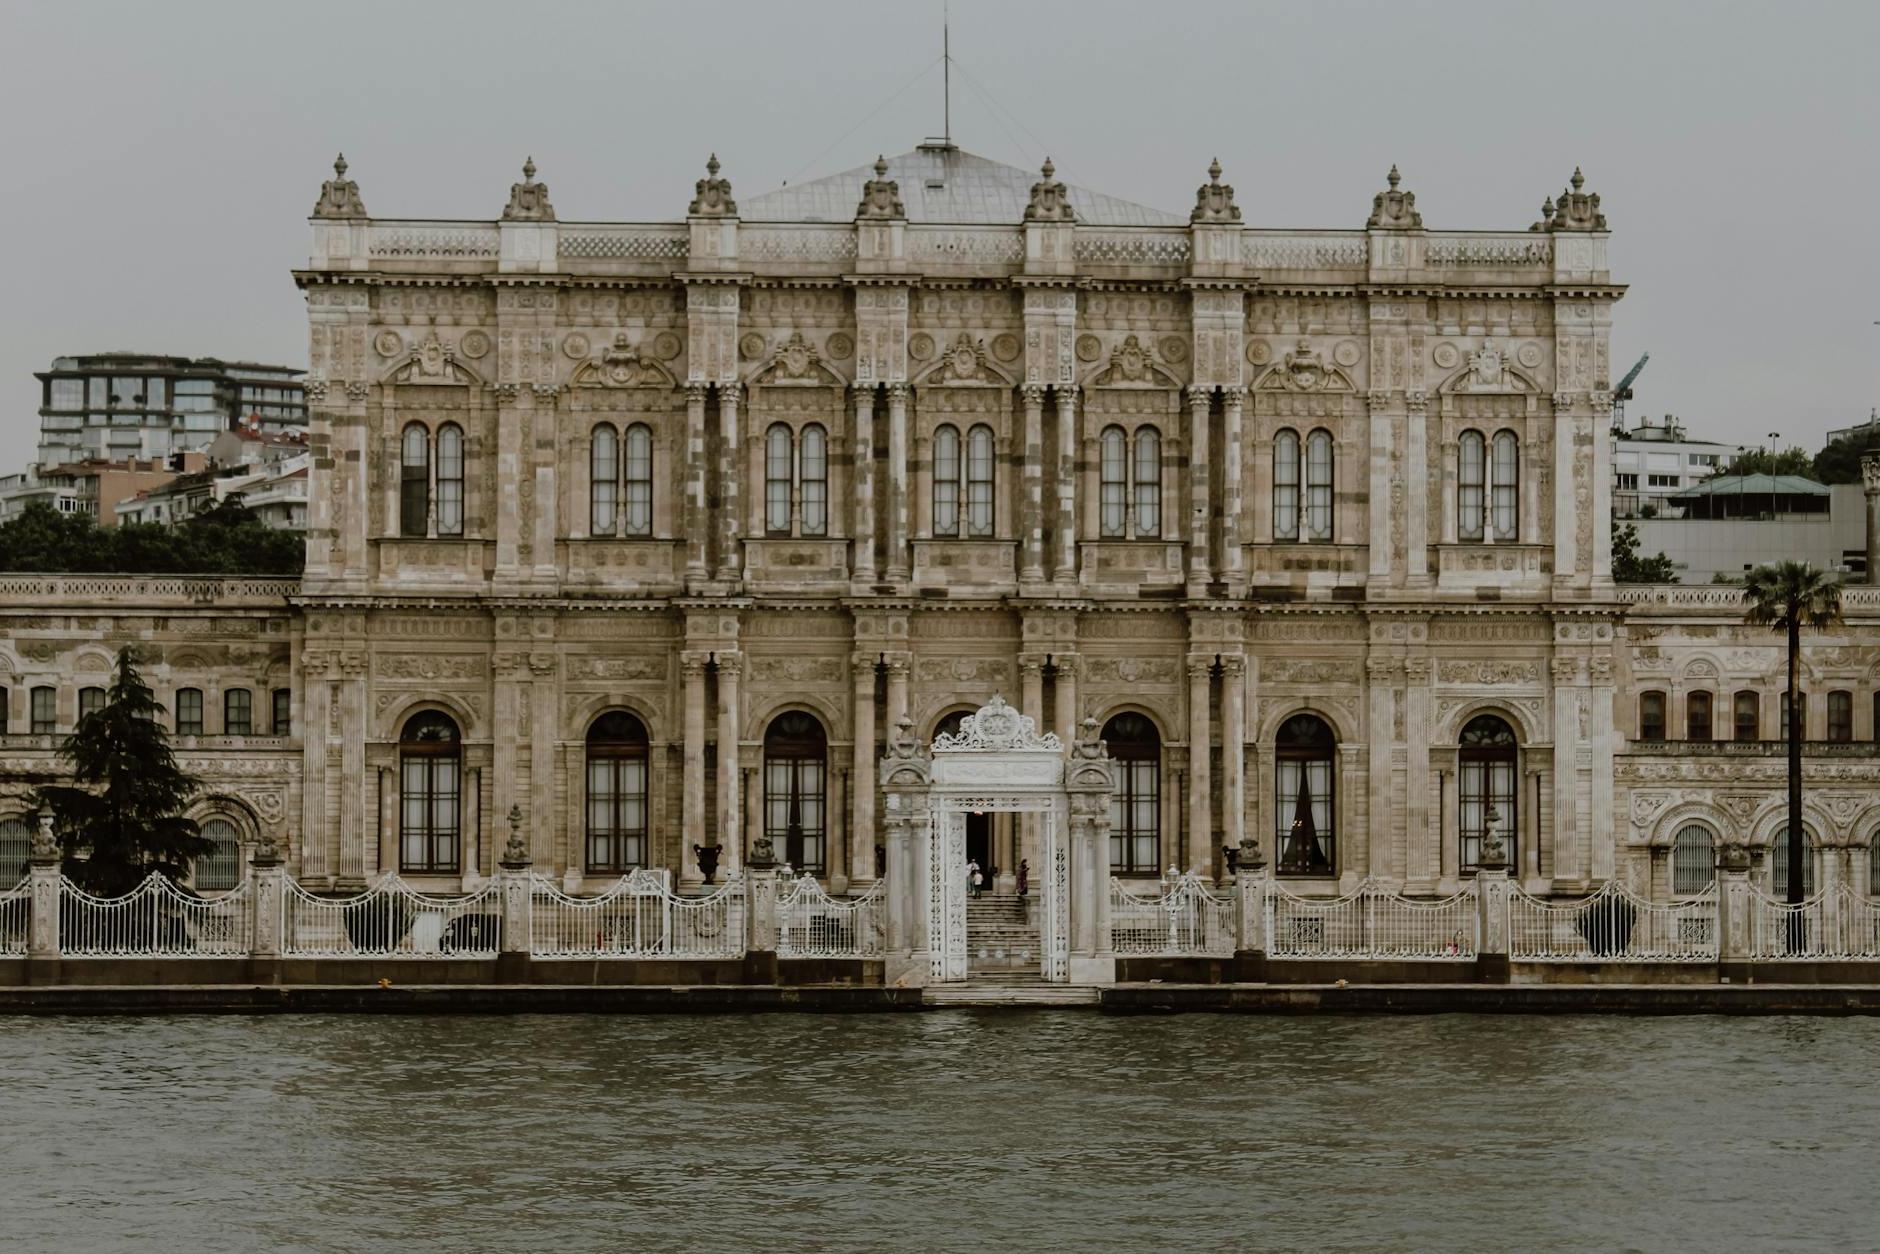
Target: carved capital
<point>1563,401</point>
<point>1417,402</point>
<point>898,664</point>
<point>897,393</point>
<point>1200,666</point>
<point>862,665</point>
<point>1417,670</point>
<point>1233,665</point>
<point>696,392</point>
<point>692,665</point>
<point>1031,665</point>
<point>1033,396</point>
<point>1200,397</point>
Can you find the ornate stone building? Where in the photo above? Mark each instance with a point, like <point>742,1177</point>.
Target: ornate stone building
<point>651,534</point>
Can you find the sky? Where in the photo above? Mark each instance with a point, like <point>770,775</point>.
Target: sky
<point>163,158</point>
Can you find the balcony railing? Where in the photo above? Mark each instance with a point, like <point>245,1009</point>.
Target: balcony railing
<point>1754,748</point>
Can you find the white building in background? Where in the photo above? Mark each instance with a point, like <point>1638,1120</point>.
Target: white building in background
<point>119,406</point>
<point>1650,463</point>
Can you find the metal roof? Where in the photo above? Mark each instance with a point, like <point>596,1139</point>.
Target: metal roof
<point>1753,485</point>
<point>944,185</point>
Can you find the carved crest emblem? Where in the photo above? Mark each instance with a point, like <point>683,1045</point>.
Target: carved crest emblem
<point>1487,368</point>
<point>1130,361</point>
<point>965,361</point>
<point>620,363</point>
<point>433,358</point>
<point>1305,369</point>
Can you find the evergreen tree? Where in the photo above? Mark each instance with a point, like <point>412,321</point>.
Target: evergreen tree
<point>1761,461</point>
<point>1629,567</point>
<point>124,812</point>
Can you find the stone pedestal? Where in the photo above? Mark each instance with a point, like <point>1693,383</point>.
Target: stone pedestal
<point>1492,898</point>
<point>270,876</point>
<point>1733,907</point>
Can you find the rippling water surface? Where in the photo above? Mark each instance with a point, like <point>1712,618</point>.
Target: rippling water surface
<point>949,1130</point>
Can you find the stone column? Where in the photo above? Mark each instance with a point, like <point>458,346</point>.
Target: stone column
<point>1449,852</point>
<point>353,732</point>
<point>1528,807</point>
<point>1031,559</point>
<point>752,794</point>
<point>730,476</point>
<point>1233,750</point>
<point>1200,569</point>
<point>1065,571</point>
<point>513,871</point>
<point>1252,883</point>
<point>1065,664</point>
<point>44,874</point>
<point>1031,686</point>
<point>696,537</point>
<point>692,667</point>
<point>862,834</point>
<point>834,858</point>
<point>1733,906</point>
<point>1233,538</point>
<point>898,664</point>
<point>864,560</point>
<point>1870,480</point>
<point>730,777</point>
<point>897,482</point>
<point>315,722</point>
<point>1200,786</point>
<point>1492,900</point>
<point>270,886</point>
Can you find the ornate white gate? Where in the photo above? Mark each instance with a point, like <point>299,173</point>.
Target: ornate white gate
<point>996,763</point>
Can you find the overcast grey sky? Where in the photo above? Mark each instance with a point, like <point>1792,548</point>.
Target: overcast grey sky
<point>162,158</point>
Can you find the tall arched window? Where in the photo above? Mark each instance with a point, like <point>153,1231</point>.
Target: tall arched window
<point>779,454</point>
<point>238,712</point>
<point>1693,859</point>
<point>1651,716</point>
<point>1485,760</point>
<point>16,848</point>
<point>1148,482</point>
<point>90,701</point>
<point>1305,834</point>
<point>43,706</point>
<point>1840,717</point>
<point>1506,477</point>
<point>430,773</point>
<point>450,480</point>
<point>946,480</point>
<point>1286,485</point>
<point>603,481</point>
<point>796,752</point>
<point>189,711</point>
<point>1471,481</point>
<point>1697,716</point>
<point>1319,486</point>
<point>414,482</point>
<point>1136,806</point>
<point>1873,866</point>
<point>1114,502</point>
<point>979,462</point>
<point>815,477</point>
<point>617,755</point>
<point>1779,863</point>
<point>1748,714</point>
<point>220,868</point>
<point>639,481</point>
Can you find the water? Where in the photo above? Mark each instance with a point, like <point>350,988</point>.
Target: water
<point>951,1130</point>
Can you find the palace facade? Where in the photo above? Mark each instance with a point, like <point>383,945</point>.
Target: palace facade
<point>650,535</point>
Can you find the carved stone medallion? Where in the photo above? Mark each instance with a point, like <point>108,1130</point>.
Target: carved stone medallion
<point>1005,347</point>
<point>751,346</point>
<point>920,346</point>
<point>1346,354</point>
<point>666,346</point>
<point>1259,352</point>
<point>840,346</point>
<point>1446,356</point>
<point>576,346</point>
<point>474,344</point>
<point>1529,355</point>
<point>389,343</point>
<point>1089,348</point>
<point>1174,349</point>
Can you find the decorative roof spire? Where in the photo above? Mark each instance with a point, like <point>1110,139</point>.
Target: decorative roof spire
<point>1214,200</point>
<point>881,195</point>
<point>528,200</point>
<point>1394,210</point>
<point>339,195</point>
<point>1576,210</point>
<point>711,196</point>
<point>1048,200</point>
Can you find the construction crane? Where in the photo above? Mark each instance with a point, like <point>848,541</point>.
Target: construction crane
<point>1623,393</point>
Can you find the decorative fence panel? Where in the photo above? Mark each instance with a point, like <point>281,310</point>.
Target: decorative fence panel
<point>1188,919</point>
<point>156,920</point>
<point>1371,921</point>
<point>639,917</point>
<point>16,919</point>
<point>391,919</point>
<point>1836,923</point>
<point>812,924</point>
<point>1612,925</point>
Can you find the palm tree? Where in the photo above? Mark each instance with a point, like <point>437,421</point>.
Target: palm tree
<point>1787,596</point>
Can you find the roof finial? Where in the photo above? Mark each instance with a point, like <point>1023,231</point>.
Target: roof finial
<point>881,167</point>
<point>528,200</point>
<point>339,166</point>
<point>528,168</point>
<point>1393,178</point>
<point>339,195</point>
<point>1214,170</point>
<point>1048,169</point>
<point>711,166</point>
<point>1578,180</point>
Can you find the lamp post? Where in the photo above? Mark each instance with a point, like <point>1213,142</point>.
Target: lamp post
<point>1773,437</point>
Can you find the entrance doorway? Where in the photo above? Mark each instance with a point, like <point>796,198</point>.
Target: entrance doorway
<point>979,845</point>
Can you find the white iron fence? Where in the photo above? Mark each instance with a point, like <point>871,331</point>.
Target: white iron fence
<point>639,917</point>
<point>156,920</point>
<point>1187,919</point>
<point>1836,923</point>
<point>1371,921</point>
<point>812,924</point>
<point>1612,925</point>
<point>391,919</point>
<point>16,919</point>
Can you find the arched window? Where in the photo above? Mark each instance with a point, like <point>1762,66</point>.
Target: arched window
<point>617,756</point>
<point>220,868</point>
<point>603,481</point>
<point>16,848</point>
<point>238,712</point>
<point>1801,716</point>
<point>1114,502</point>
<point>1319,486</point>
<point>796,752</point>
<point>1840,717</point>
<point>1506,476</point>
<point>639,481</point>
<point>979,481</point>
<point>430,772</point>
<point>1471,480</point>
<point>44,708</point>
<point>1779,863</point>
<point>283,722</point>
<point>414,482</point>
<point>779,454</point>
<point>450,480</point>
<point>1148,482</point>
<point>1651,716</point>
<point>815,476</point>
<point>1697,715</point>
<point>1286,485</point>
<point>946,480</point>
<point>1136,805</point>
<point>189,711</point>
<point>1485,760</point>
<point>1748,715</point>
<point>1693,859</point>
<point>1305,834</point>
<point>5,699</point>
<point>90,701</point>
<point>1873,866</point>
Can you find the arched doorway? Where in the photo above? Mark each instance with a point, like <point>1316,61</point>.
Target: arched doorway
<point>1307,836</point>
<point>979,845</point>
<point>617,756</point>
<point>430,773</point>
<point>1486,758</point>
<point>1136,806</point>
<point>796,753</point>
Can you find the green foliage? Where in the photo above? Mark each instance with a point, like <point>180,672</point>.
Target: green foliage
<point>1790,592</point>
<point>1840,461</point>
<point>1629,567</point>
<point>226,540</point>
<point>1757,461</point>
<point>124,810</point>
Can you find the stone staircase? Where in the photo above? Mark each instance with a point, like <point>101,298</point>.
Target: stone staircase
<point>1002,935</point>
<point>981,990</point>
